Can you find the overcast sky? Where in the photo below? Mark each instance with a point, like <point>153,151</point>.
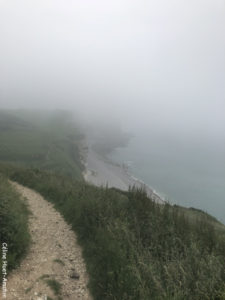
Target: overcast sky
<point>139,60</point>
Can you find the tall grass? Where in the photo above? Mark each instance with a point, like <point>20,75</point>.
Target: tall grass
<point>135,248</point>
<point>13,224</point>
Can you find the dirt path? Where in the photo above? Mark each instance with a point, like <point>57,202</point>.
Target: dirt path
<point>54,267</point>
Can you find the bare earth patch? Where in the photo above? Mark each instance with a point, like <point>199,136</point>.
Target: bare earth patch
<point>54,267</point>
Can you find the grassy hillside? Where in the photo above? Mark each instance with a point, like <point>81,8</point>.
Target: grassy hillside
<point>134,248</point>
<point>13,224</point>
<point>49,141</point>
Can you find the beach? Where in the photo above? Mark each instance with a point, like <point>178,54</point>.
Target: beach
<point>101,171</point>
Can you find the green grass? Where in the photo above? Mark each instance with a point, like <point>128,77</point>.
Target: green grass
<point>28,289</point>
<point>59,261</point>
<point>49,141</point>
<point>135,248</point>
<point>54,285</point>
<point>13,224</point>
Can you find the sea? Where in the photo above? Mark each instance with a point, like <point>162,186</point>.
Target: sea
<point>184,170</point>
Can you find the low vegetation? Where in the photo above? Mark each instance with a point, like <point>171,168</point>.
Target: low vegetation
<point>54,285</point>
<point>135,248</point>
<point>59,261</point>
<point>13,224</point>
<point>49,141</point>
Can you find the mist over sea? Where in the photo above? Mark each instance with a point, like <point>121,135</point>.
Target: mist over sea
<point>188,171</point>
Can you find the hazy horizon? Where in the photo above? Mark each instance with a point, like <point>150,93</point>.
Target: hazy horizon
<point>148,64</point>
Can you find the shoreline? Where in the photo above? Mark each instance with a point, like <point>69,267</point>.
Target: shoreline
<point>101,171</point>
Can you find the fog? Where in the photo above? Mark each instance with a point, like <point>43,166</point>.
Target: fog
<point>155,63</point>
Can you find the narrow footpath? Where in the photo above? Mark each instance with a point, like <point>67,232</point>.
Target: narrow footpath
<point>54,267</point>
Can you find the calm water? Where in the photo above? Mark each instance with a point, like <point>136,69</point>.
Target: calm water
<point>188,172</point>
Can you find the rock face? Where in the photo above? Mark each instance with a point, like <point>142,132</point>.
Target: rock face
<point>54,266</point>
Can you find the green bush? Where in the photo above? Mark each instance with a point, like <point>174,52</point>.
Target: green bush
<point>13,224</point>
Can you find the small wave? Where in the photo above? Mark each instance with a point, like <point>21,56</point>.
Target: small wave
<point>156,193</point>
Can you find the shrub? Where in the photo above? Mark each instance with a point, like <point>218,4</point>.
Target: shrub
<point>13,224</point>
